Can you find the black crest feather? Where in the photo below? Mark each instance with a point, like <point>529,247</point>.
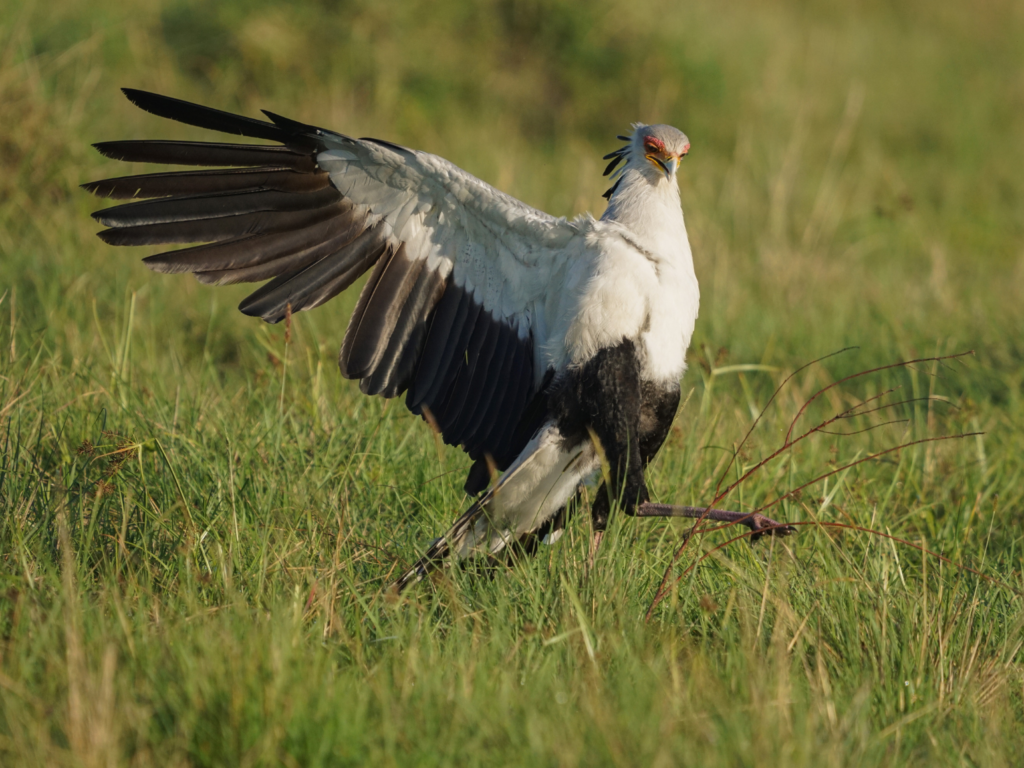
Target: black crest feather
<point>616,159</point>
<point>611,190</point>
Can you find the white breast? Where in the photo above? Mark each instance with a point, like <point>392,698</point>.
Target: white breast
<point>671,318</point>
<point>620,289</point>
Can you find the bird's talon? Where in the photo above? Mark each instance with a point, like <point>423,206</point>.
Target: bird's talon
<point>765,526</point>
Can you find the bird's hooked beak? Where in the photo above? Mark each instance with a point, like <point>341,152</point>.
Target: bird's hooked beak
<point>668,162</point>
<point>671,164</point>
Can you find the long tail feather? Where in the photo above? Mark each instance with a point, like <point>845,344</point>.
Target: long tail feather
<point>441,549</point>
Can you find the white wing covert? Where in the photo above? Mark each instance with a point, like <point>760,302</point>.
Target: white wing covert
<point>458,270</point>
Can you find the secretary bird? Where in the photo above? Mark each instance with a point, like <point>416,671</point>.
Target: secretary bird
<point>542,346</point>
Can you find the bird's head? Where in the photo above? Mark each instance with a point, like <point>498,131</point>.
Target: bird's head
<point>662,146</point>
<point>654,150</point>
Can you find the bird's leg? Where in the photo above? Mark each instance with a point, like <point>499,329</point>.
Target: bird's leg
<point>627,420</point>
<point>600,509</point>
<point>613,429</point>
<point>610,396</point>
<point>755,521</point>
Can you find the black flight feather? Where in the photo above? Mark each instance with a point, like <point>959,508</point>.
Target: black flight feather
<point>264,177</point>
<point>204,153</point>
<point>205,117</point>
<point>444,400</point>
<point>357,314</point>
<point>287,263</point>
<point>481,380</point>
<point>395,369</point>
<point>532,415</point>
<point>442,325</point>
<point>218,205</point>
<point>451,353</point>
<point>492,438</point>
<point>214,230</point>
<point>490,389</point>
<point>381,314</point>
<point>519,350</point>
<point>291,126</point>
<point>520,387</point>
<point>462,391</point>
<point>252,250</point>
<point>317,282</point>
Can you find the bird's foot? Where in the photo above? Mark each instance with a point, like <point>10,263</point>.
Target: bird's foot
<point>765,526</point>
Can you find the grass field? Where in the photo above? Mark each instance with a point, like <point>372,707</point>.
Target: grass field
<point>198,515</point>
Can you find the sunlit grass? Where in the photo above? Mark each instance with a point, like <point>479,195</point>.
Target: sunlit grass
<point>198,515</point>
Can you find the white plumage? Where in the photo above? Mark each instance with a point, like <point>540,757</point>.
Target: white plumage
<point>579,285</point>
<point>538,344</point>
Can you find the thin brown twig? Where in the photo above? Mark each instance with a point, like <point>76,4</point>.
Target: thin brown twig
<point>775,394</point>
<point>859,374</point>
<point>908,401</point>
<point>789,442</point>
<point>866,429</point>
<point>869,457</point>
<point>662,590</point>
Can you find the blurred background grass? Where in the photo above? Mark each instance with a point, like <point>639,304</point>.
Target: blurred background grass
<point>229,507</point>
<point>876,146</point>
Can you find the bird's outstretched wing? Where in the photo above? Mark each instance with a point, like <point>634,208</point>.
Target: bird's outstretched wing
<point>452,313</point>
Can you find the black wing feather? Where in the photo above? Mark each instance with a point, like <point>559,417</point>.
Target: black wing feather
<point>199,207</point>
<point>520,388</point>
<point>268,212</point>
<point>222,228</point>
<point>255,250</point>
<point>205,153</point>
<point>259,178</point>
<point>207,117</point>
<point>396,367</point>
<point>519,376</point>
<point>462,390</point>
<point>532,407</point>
<point>478,382</point>
<point>318,282</point>
<point>492,389</point>
<point>372,328</point>
<point>443,399</point>
<point>447,340</point>
<point>443,324</point>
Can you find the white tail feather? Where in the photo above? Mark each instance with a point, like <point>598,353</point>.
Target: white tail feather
<point>533,489</point>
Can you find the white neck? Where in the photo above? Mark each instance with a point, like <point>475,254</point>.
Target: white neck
<point>647,204</point>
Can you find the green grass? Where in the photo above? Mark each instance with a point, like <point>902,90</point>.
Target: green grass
<point>198,515</point>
